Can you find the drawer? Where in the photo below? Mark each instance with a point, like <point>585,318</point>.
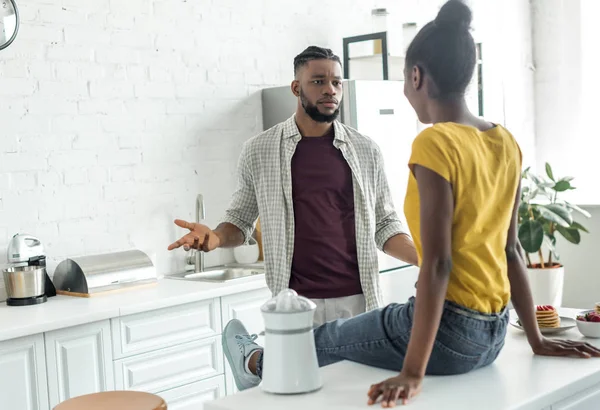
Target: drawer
<point>193,395</point>
<point>588,399</point>
<point>171,367</point>
<point>157,329</point>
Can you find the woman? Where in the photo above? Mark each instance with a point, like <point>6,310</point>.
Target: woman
<point>461,206</point>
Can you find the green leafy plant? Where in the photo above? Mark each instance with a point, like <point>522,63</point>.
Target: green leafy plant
<point>543,215</point>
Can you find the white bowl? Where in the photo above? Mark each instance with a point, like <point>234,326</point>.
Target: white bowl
<point>588,329</point>
<point>246,254</point>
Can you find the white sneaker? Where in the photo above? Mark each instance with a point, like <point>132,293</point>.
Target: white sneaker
<point>238,345</point>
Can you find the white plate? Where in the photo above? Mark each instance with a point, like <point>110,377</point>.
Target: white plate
<point>566,323</point>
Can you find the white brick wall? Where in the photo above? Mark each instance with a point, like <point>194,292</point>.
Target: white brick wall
<point>115,114</point>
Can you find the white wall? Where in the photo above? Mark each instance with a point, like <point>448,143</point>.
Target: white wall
<point>582,270</point>
<point>504,28</point>
<point>508,70</point>
<point>566,99</point>
<point>566,33</point>
<point>115,114</point>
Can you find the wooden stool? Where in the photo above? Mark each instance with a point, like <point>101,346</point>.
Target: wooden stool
<point>114,400</point>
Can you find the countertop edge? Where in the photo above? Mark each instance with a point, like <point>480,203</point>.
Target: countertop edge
<point>37,328</point>
<point>100,308</point>
<point>192,297</point>
<point>562,393</point>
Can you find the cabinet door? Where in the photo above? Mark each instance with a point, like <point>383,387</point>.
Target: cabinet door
<point>398,285</point>
<point>588,399</point>
<point>245,307</point>
<point>23,382</point>
<point>193,395</point>
<point>79,361</point>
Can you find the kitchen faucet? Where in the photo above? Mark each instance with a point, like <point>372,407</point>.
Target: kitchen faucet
<point>200,215</point>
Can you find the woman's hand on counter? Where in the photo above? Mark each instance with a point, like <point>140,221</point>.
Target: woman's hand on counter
<point>403,387</point>
<point>555,347</point>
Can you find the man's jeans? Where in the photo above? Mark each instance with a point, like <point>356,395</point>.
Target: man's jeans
<point>466,339</point>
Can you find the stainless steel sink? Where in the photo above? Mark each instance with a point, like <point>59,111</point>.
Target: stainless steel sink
<point>218,275</point>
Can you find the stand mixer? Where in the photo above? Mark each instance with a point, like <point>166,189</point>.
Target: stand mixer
<point>26,279</point>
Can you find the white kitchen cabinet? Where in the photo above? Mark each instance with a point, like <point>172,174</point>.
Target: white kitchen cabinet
<point>23,383</point>
<point>193,395</point>
<point>245,307</point>
<point>148,331</point>
<point>170,367</point>
<point>588,399</point>
<point>398,285</point>
<point>79,361</point>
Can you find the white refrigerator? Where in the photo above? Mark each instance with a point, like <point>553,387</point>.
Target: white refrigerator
<point>377,109</point>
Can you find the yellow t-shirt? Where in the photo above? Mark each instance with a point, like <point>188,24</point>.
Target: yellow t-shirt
<point>484,168</point>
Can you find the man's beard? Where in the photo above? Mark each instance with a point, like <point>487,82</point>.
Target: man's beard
<point>314,113</point>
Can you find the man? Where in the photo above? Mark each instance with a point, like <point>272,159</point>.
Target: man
<point>323,200</point>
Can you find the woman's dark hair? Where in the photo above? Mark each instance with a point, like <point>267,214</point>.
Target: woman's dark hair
<point>445,51</point>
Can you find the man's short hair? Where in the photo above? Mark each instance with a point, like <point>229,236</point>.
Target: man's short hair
<point>314,53</point>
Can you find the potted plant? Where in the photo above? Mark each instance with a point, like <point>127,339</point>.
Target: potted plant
<point>543,215</point>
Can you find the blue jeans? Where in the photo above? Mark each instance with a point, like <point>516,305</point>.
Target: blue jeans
<point>466,339</point>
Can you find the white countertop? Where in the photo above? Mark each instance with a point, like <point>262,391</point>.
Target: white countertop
<point>64,311</point>
<point>516,380</point>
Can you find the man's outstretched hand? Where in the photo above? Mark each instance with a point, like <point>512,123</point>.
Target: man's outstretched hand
<point>200,237</point>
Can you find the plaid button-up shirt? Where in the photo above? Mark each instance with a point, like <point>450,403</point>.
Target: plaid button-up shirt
<point>265,189</point>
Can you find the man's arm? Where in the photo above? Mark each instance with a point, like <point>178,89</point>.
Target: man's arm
<point>229,235</point>
<point>402,247</point>
<point>390,235</point>
<point>238,224</point>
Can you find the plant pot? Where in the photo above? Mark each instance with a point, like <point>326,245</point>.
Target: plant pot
<point>547,285</point>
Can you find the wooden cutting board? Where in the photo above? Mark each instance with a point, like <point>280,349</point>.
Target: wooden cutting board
<point>107,292</point>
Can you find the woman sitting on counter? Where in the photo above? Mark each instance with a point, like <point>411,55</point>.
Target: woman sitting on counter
<point>461,206</point>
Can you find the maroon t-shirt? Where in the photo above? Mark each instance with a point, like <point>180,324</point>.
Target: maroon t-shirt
<point>324,264</point>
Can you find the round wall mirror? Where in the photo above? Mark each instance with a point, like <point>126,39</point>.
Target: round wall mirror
<point>9,22</point>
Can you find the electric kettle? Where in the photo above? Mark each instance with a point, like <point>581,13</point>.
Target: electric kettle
<point>290,363</point>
